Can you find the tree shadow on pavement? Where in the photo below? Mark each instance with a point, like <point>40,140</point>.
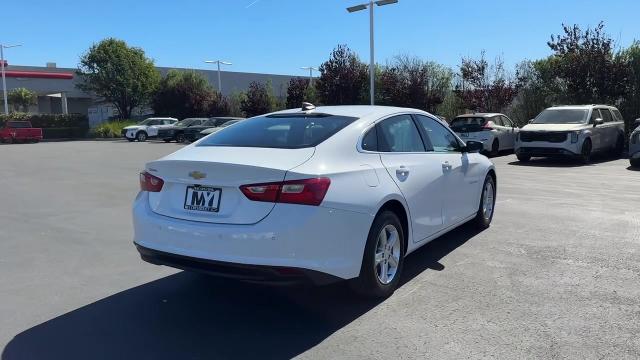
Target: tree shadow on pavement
<point>191,316</point>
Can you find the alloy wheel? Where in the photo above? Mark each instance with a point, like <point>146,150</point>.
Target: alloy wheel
<point>387,254</point>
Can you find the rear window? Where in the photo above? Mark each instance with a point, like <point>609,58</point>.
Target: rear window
<point>18,124</point>
<point>466,124</point>
<point>561,116</point>
<point>280,131</point>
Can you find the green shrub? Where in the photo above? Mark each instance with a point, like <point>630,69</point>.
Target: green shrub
<point>49,120</point>
<point>111,129</point>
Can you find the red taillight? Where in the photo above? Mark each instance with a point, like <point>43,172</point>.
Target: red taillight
<point>150,183</point>
<point>304,192</point>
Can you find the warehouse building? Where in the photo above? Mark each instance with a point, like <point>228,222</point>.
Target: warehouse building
<point>58,94</point>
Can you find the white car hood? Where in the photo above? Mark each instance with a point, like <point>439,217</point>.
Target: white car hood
<point>554,127</point>
<point>134,127</point>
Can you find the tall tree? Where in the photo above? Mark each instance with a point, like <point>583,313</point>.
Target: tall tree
<point>296,92</point>
<point>187,94</point>
<point>343,79</point>
<point>485,87</point>
<point>120,74</point>
<point>587,65</point>
<point>257,100</point>
<point>412,82</point>
<point>21,99</point>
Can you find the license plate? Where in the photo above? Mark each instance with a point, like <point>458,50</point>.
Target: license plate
<point>464,134</point>
<point>202,198</point>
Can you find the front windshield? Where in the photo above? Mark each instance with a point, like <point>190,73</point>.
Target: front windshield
<point>561,116</point>
<point>145,122</point>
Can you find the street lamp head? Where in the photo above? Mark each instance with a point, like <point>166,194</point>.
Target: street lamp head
<point>385,2</point>
<point>218,62</point>
<point>357,8</point>
<point>10,46</point>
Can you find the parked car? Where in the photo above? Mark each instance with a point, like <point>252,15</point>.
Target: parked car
<point>176,132</point>
<point>193,133</point>
<point>496,132</point>
<point>147,128</point>
<point>208,131</point>
<point>634,145</point>
<point>319,195</point>
<point>19,131</point>
<point>578,131</point>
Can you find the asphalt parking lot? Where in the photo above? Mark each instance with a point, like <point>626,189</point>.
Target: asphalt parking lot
<point>556,276</point>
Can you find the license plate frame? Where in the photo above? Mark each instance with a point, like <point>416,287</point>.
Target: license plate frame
<point>196,198</point>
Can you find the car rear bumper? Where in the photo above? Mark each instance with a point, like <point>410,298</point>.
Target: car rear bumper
<point>296,237</point>
<point>253,273</point>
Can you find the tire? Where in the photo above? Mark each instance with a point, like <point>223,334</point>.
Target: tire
<point>487,203</point>
<point>619,148</point>
<point>141,136</point>
<point>371,282</point>
<point>180,138</point>
<point>523,158</point>
<point>495,148</point>
<point>585,152</point>
<point>634,163</point>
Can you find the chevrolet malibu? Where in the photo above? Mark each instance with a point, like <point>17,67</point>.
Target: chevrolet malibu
<point>313,195</point>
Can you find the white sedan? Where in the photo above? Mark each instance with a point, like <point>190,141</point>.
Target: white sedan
<point>318,194</point>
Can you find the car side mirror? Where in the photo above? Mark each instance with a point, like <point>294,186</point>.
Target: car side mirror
<point>530,121</point>
<point>597,122</point>
<point>473,146</point>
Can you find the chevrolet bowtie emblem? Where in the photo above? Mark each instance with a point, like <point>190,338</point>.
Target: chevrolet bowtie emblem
<point>197,175</point>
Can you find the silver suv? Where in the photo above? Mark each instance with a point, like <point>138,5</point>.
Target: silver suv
<point>577,131</point>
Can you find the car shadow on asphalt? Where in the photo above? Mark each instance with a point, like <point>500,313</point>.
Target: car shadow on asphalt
<point>191,316</point>
<point>561,162</point>
<point>631,168</point>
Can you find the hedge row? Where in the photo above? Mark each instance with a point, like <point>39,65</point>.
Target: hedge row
<point>49,120</point>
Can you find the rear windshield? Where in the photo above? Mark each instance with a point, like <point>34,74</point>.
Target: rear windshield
<point>280,131</point>
<point>465,124</point>
<point>18,124</point>
<point>561,116</point>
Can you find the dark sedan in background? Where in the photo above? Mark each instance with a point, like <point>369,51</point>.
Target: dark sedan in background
<point>176,132</point>
<point>192,133</point>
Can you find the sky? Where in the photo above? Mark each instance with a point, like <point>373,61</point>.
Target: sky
<point>280,36</point>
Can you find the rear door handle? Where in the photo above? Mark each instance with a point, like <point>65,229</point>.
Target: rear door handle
<point>402,171</point>
<point>446,166</point>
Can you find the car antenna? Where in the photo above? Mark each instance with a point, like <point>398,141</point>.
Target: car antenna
<point>306,106</point>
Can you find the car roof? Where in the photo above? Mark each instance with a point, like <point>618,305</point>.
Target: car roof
<point>161,118</point>
<point>359,111</point>
<point>486,115</point>
<point>580,107</point>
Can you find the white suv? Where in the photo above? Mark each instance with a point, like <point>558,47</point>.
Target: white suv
<point>634,145</point>
<point>496,132</point>
<point>147,128</point>
<point>577,131</point>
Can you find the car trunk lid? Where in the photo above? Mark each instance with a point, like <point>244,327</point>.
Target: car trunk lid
<point>203,183</point>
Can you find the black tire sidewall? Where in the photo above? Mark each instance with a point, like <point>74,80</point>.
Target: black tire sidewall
<point>138,136</point>
<point>480,220</point>
<point>586,158</point>
<point>367,283</point>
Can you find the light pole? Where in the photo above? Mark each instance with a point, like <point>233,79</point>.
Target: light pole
<point>372,70</point>
<point>218,62</point>
<point>4,81</point>
<point>311,69</point>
